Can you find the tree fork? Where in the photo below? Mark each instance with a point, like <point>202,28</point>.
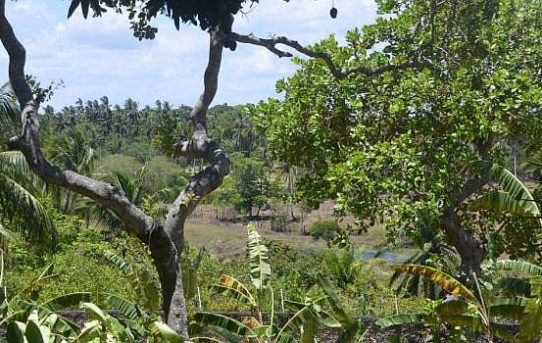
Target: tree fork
<point>164,241</point>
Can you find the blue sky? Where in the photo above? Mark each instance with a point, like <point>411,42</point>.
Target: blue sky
<point>99,56</point>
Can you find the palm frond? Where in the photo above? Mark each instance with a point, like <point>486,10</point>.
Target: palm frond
<point>9,110</point>
<point>18,201</point>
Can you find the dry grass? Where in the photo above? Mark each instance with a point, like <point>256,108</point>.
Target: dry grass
<point>226,239</point>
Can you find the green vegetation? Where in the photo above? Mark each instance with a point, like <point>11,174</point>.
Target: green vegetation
<point>325,229</point>
<point>406,133</point>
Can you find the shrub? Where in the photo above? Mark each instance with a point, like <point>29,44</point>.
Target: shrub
<point>326,229</point>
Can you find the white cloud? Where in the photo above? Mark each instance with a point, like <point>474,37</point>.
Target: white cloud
<point>98,57</point>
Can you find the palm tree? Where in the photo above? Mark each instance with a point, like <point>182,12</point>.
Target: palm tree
<point>72,152</point>
<point>20,208</point>
<point>130,185</point>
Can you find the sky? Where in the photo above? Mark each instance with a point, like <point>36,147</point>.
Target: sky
<point>100,56</point>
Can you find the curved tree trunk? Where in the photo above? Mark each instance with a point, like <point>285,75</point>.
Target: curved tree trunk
<point>471,252</point>
<point>164,241</point>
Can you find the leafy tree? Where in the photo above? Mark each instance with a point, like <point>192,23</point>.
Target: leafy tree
<point>326,229</point>
<point>252,185</point>
<point>164,239</point>
<point>390,123</point>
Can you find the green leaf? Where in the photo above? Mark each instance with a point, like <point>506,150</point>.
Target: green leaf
<point>334,302</point>
<point>515,286</point>
<point>516,190</point>
<point>227,323</point>
<point>73,7</point>
<point>445,281</point>
<point>306,317</point>
<point>508,308</point>
<point>400,319</point>
<point>95,312</point>
<point>14,333</point>
<point>84,7</point>
<point>167,333</point>
<point>36,334</point>
<point>127,308</point>
<point>66,300</point>
<point>90,332</point>
<point>500,201</point>
<point>260,269</point>
<point>233,287</point>
<point>452,307</point>
<point>519,266</point>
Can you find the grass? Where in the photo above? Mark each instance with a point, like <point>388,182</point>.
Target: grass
<point>226,240</point>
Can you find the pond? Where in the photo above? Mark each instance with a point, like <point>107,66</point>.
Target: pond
<point>385,255</point>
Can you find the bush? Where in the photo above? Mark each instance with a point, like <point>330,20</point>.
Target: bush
<point>280,223</point>
<point>326,229</point>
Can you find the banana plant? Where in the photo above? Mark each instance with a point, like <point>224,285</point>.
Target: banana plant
<point>529,290</point>
<point>478,310</point>
<point>352,328</point>
<point>513,197</point>
<point>305,321</point>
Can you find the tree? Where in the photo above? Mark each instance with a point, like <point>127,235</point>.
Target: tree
<point>251,183</point>
<point>165,241</point>
<point>390,123</point>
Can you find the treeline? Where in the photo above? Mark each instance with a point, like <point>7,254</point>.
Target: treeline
<point>112,142</point>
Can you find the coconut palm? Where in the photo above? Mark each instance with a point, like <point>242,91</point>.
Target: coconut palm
<point>20,208</point>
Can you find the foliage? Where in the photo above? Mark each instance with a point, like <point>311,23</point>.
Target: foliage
<point>251,184</point>
<point>206,15</point>
<point>486,308</point>
<point>451,85</point>
<point>19,201</point>
<point>342,266</point>
<point>326,229</point>
<point>308,315</point>
<point>433,251</point>
<point>79,265</point>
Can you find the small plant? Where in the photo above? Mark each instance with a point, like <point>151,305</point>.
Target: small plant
<point>343,265</point>
<point>479,310</point>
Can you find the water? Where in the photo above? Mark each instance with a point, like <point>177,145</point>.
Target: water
<point>385,255</point>
<point>366,255</point>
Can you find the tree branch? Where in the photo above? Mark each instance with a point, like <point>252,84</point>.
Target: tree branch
<point>28,143</point>
<point>271,45</point>
<point>200,146</point>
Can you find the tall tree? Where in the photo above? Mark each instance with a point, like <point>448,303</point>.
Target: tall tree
<point>165,241</point>
<point>392,121</point>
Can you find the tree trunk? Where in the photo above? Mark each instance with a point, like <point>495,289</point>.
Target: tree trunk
<point>166,259</point>
<point>165,242</point>
<point>470,250</point>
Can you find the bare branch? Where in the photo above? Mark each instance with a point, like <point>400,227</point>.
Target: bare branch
<point>200,146</point>
<point>271,45</point>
